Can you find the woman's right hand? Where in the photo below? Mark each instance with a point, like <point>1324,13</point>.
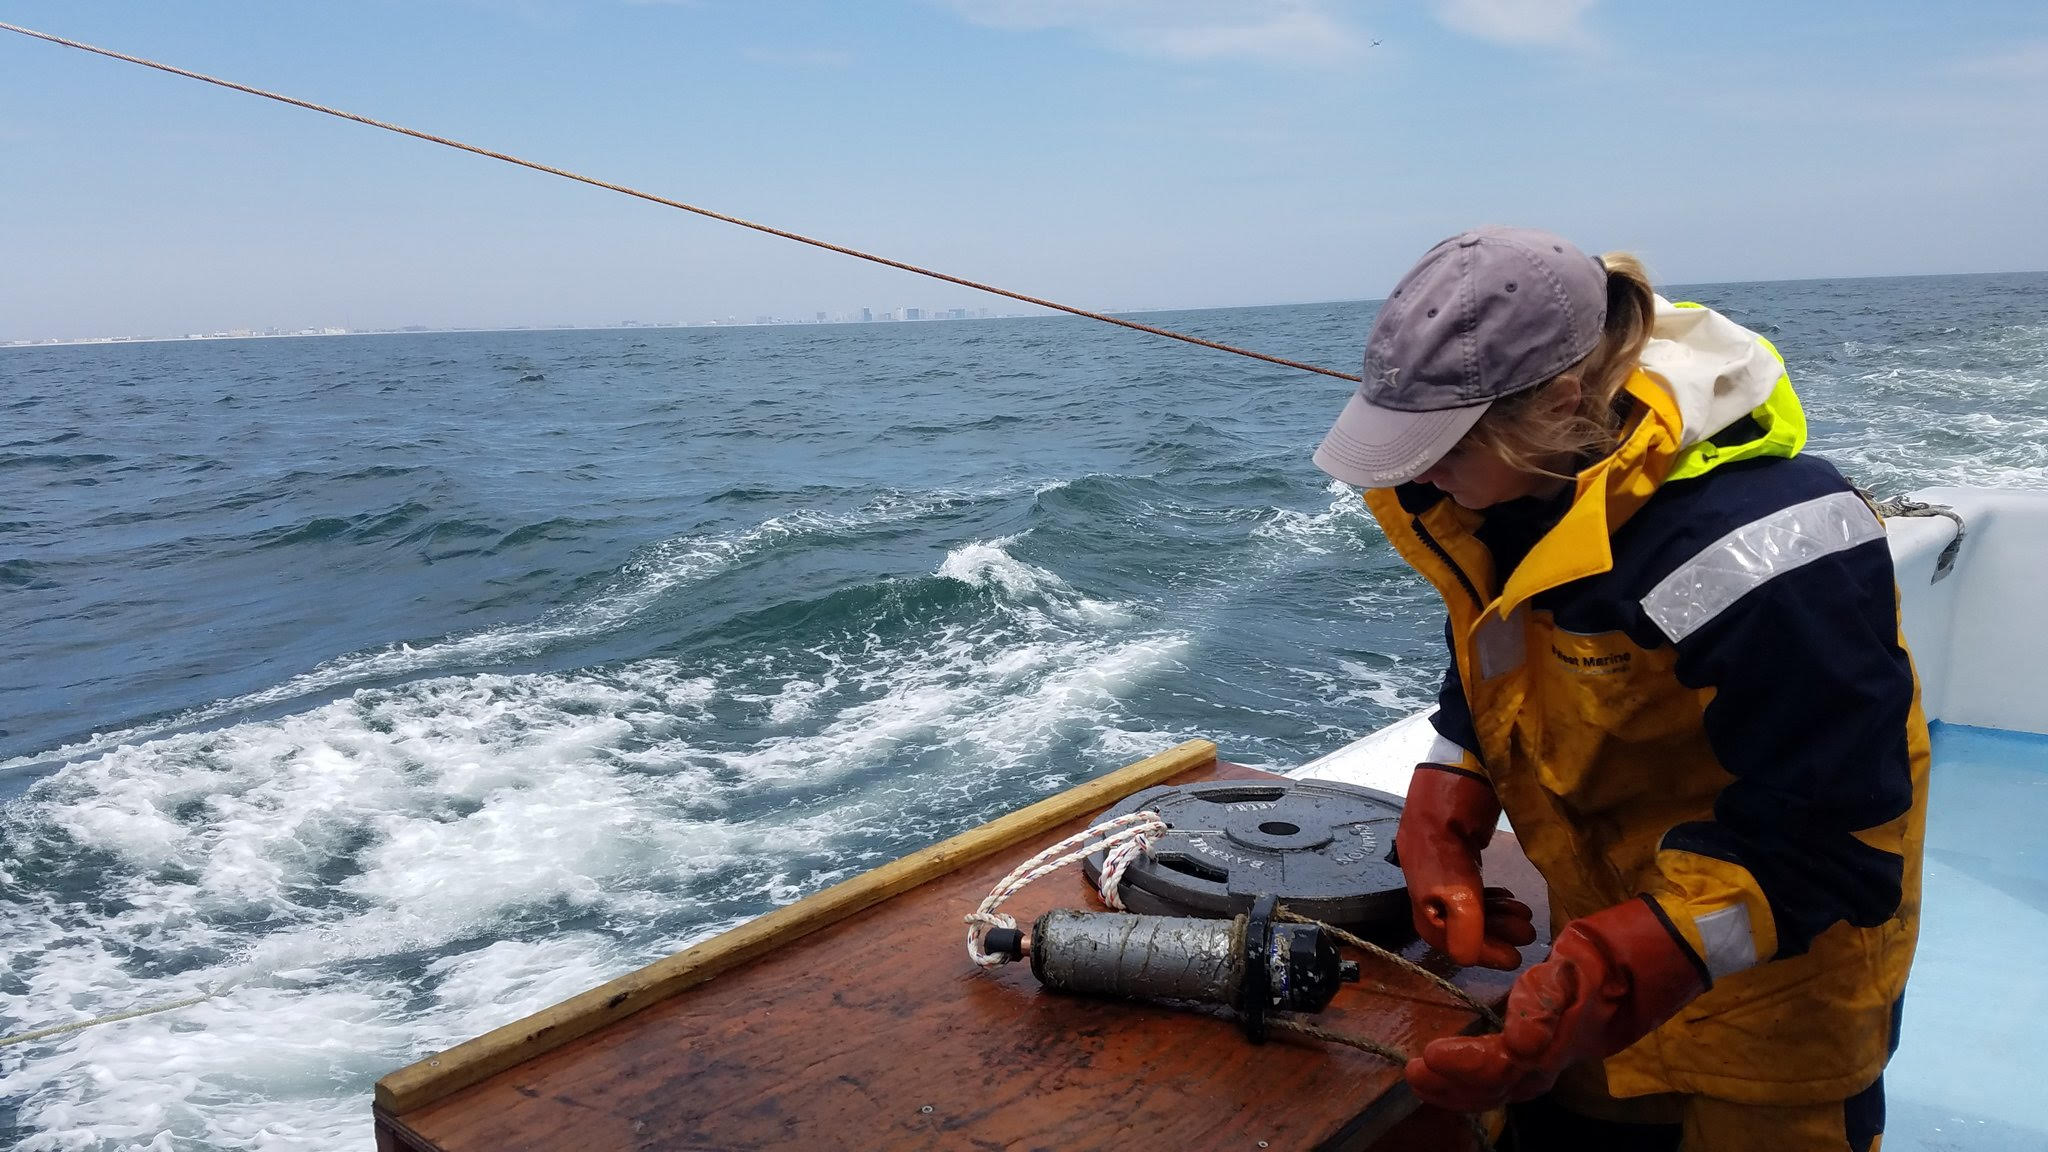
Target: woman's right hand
<point>1447,820</point>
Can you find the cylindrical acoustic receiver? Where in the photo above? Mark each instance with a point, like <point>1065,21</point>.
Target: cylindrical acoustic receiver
<point>1249,962</point>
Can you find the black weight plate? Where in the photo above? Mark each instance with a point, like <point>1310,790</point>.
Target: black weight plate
<point>1318,845</point>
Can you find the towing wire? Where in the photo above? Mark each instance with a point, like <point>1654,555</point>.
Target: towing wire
<point>666,202</point>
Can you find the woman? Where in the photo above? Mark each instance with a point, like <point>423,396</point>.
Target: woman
<point>1676,664</point>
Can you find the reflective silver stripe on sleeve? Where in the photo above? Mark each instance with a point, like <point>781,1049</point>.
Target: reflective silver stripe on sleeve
<point>1740,562</point>
<point>1730,949</point>
<point>1444,751</point>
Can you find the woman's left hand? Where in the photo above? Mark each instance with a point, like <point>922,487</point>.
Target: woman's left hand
<point>1611,978</point>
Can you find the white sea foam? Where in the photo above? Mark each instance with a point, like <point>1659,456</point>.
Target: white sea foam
<point>1921,448</point>
<point>984,564</point>
<point>1971,415</point>
<point>383,870</point>
<point>476,991</point>
<point>450,805</point>
<point>1343,526</point>
<point>1400,688</point>
<point>988,564</point>
<point>798,698</point>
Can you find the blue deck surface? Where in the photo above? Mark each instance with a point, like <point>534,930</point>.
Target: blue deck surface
<point>1969,1070</point>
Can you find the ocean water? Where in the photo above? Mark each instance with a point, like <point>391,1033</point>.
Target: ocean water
<point>416,682</point>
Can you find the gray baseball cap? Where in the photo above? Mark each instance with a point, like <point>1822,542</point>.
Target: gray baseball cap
<point>1483,315</point>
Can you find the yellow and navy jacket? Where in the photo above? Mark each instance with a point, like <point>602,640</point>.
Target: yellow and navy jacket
<point>1687,684</point>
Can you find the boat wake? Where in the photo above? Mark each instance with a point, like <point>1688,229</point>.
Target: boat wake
<point>409,864</point>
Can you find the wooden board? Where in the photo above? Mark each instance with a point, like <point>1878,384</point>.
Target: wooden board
<point>877,1032</point>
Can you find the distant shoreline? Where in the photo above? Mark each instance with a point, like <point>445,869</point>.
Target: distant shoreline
<point>91,341</point>
<point>95,341</point>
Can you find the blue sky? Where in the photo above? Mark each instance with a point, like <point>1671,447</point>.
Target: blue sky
<point>1112,153</point>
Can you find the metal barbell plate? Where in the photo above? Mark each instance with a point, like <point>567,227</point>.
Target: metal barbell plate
<point>1320,846</point>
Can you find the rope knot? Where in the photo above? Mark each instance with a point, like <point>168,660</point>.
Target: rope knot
<point>1121,841</point>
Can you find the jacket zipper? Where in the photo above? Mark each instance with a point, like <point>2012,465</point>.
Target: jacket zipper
<point>1444,555</point>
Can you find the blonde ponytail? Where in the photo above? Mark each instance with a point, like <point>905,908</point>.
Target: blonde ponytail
<point>1535,431</point>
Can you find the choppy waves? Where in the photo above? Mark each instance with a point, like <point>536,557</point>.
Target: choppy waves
<point>1967,409</point>
<point>1916,383</point>
<point>653,573</point>
<point>394,870</point>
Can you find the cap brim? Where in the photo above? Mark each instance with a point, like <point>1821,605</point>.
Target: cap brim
<point>1375,447</point>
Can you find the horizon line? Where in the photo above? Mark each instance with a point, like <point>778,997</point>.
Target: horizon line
<point>16,343</point>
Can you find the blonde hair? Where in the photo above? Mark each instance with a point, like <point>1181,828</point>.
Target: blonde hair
<point>1534,428</point>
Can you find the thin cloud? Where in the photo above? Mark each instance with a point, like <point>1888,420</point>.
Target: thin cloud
<point>1523,23</point>
<point>2028,61</point>
<point>1283,31</point>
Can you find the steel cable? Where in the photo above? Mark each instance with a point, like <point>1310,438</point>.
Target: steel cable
<point>666,202</point>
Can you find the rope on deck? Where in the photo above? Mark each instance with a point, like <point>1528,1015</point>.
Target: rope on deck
<point>1121,841</point>
<point>1483,1139</point>
<point>1491,1017</point>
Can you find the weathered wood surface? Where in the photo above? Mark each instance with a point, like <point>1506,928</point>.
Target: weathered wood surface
<point>877,1032</point>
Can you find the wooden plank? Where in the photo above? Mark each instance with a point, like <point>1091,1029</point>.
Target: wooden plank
<point>438,1076</point>
<point>877,1033</point>
<point>393,1135</point>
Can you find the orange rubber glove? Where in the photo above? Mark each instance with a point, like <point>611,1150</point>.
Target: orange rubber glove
<point>1611,978</point>
<point>1446,820</point>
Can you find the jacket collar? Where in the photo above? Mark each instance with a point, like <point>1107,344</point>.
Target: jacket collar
<point>1657,444</point>
<point>1608,492</point>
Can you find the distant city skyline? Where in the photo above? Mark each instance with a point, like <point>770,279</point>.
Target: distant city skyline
<point>863,315</point>
<point>854,316</point>
<point>1183,153</point>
